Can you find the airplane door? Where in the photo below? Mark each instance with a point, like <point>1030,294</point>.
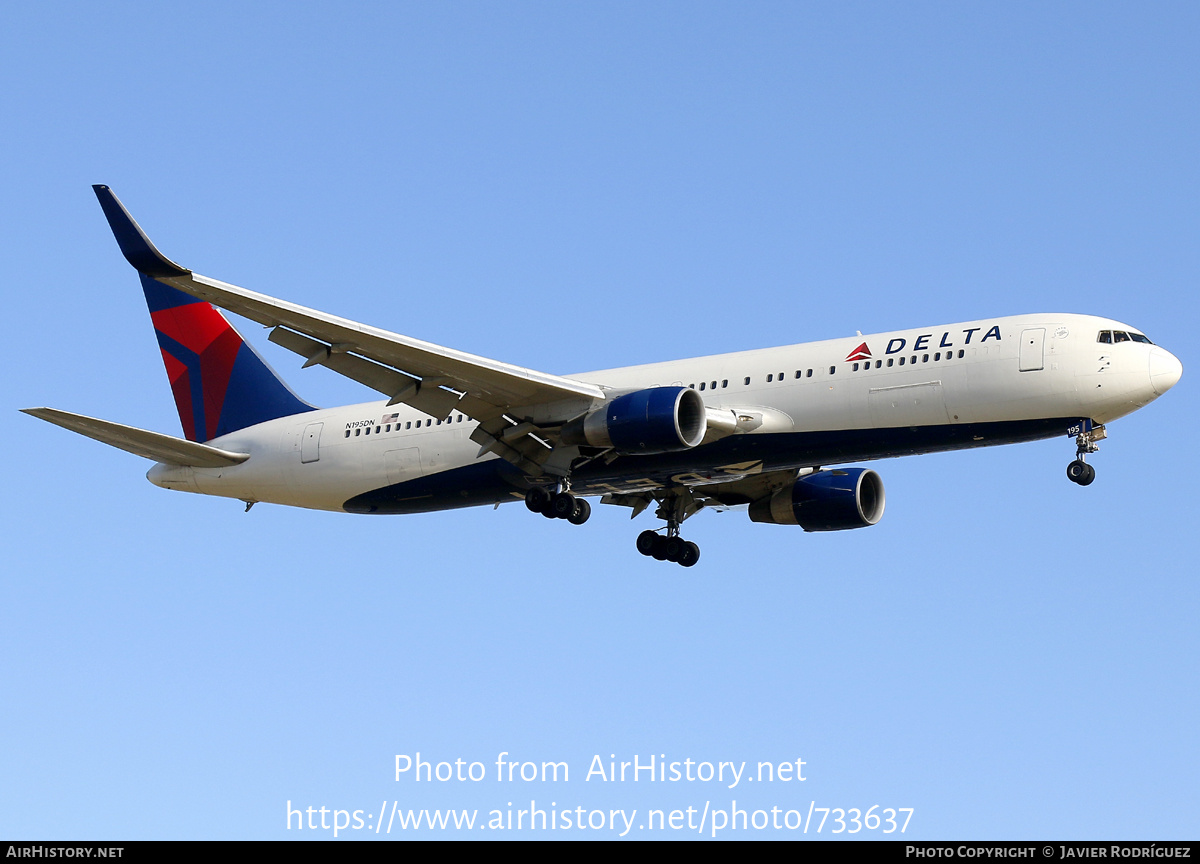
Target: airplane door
<point>1033,342</point>
<point>310,444</point>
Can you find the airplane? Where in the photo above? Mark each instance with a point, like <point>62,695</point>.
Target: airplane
<point>768,429</point>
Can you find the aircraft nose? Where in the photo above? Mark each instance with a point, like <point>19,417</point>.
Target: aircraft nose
<point>1165,370</point>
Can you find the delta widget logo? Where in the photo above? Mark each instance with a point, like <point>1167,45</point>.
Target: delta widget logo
<point>862,352</point>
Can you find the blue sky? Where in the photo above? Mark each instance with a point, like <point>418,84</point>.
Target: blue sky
<point>568,187</point>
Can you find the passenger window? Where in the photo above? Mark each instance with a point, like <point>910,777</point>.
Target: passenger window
<point>832,370</point>
<point>878,364</point>
<point>724,383</point>
<point>1105,337</point>
<point>809,375</point>
<point>925,358</point>
<point>691,386</point>
<point>770,378</point>
<point>1120,336</point>
<point>712,386</point>
<point>747,382</point>
<point>357,432</point>
<point>701,385</point>
<point>780,376</point>
<point>960,353</point>
<point>459,418</point>
<point>937,356</point>
<point>855,367</point>
<point>890,360</point>
<point>798,373</point>
<point>347,433</point>
<point>901,361</point>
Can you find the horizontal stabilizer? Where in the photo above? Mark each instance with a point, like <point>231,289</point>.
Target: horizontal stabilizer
<point>141,442</point>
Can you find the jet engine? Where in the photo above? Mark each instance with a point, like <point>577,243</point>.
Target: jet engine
<point>657,420</point>
<point>831,500</point>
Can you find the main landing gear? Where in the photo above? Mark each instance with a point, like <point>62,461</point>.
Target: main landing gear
<point>558,505</point>
<point>1085,442</point>
<point>670,546</point>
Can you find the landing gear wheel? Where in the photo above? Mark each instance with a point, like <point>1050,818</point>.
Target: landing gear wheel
<point>537,499</point>
<point>668,545</point>
<point>562,505</point>
<point>581,512</point>
<point>1080,472</point>
<point>1085,443</point>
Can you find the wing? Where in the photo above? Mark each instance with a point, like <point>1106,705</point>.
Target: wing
<point>431,378</point>
<point>141,442</point>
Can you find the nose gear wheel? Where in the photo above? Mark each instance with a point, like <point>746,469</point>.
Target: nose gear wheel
<point>1085,443</point>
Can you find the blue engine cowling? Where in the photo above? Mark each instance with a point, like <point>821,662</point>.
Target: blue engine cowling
<point>832,500</point>
<point>657,420</point>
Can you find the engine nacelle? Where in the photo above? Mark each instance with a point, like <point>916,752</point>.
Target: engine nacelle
<point>657,420</point>
<point>831,500</point>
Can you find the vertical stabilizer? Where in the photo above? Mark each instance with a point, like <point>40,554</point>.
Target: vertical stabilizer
<point>219,382</point>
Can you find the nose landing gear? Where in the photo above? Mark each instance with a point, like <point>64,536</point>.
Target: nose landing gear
<point>1085,442</point>
<point>1080,472</point>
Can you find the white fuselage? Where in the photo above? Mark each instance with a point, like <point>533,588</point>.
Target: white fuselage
<point>994,371</point>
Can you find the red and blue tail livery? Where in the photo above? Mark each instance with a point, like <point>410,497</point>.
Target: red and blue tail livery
<point>220,383</point>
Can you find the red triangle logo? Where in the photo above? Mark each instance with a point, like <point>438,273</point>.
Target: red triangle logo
<point>862,352</point>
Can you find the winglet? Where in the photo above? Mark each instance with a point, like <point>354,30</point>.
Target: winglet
<point>135,245</point>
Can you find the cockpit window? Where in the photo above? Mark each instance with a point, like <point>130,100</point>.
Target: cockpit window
<point>1108,337</point>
